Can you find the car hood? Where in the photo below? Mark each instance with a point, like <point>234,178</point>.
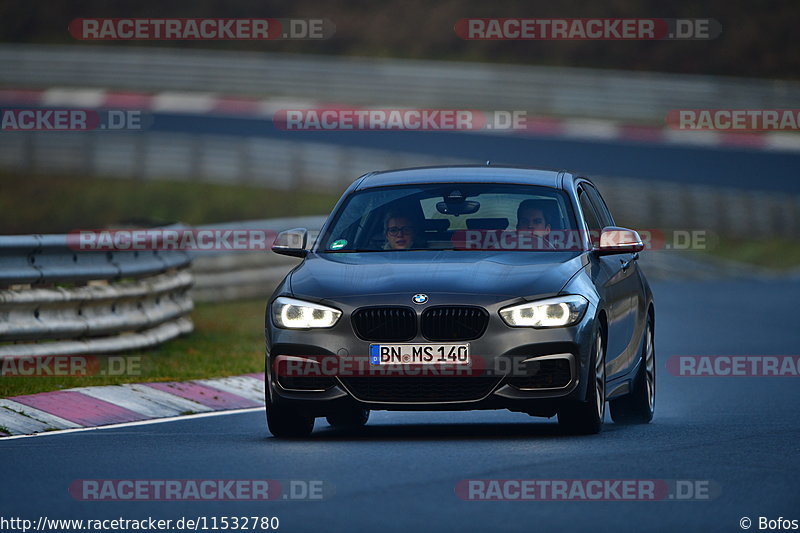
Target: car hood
<point>501,274</point>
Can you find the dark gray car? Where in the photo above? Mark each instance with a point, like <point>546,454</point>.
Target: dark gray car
<point>467,287</point>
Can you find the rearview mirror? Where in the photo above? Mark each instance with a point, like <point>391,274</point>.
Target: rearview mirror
<point>614,240</point>
<point>466,207</point>
<point>291,242</point>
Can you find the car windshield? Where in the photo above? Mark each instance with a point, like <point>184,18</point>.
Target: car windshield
<point>453,216</point>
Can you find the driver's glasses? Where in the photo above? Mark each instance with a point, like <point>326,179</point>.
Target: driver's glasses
<point>394,231</point>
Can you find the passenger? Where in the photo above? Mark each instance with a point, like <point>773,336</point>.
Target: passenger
<point>532,216</point>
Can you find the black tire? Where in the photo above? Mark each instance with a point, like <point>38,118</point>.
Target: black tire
<point>349,419</point>
<point>638,406</point>
<point>286,423</point>
<point>586,418</point>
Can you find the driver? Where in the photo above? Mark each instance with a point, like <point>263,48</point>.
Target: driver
<point>401,231</point>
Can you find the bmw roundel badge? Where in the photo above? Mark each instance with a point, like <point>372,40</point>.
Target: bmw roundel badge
<point>420,298</point>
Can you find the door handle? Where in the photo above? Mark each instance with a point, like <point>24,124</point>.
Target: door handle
<point>627,264</point>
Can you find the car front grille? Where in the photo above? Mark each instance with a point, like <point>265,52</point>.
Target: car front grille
<point>452,323</point>
<point>544,374</point>
<point>423,389</point>
<point>385,323</point>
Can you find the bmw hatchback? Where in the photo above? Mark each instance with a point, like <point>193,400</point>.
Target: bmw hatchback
<point>461,288</point>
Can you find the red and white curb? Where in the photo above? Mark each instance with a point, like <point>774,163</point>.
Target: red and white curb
<point>197,103</point>
<point>118,404</point>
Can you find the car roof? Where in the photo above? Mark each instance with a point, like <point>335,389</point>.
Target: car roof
<point>463,174</point>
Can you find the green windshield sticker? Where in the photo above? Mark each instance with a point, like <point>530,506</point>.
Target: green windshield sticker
<point>341,243</point>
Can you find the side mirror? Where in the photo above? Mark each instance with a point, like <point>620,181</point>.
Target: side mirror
<point>291,242</point>
<point>614,240</point>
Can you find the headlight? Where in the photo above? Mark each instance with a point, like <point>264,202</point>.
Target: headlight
<point>297,314</point>
<point>550,313</point>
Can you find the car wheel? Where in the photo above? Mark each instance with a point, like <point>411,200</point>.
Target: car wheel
<point>586,418</point>
<point>638,406</point>
<point>349,418</point>
<point>289,423</point>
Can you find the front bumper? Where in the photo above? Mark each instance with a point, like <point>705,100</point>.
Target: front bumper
<point>510,356</point>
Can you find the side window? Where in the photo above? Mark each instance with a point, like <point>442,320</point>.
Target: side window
<point>602,209</point>
<point>591,217</point>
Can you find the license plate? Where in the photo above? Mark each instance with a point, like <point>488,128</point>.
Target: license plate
<point>419,354</point>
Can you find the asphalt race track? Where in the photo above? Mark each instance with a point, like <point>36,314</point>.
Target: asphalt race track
<point>706,165</point>
<point>740,434</point>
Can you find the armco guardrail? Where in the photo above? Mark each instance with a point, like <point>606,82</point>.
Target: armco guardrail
<point>56,301</point>
<point>557,91</point>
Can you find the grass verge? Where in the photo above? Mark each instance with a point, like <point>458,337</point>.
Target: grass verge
<point>777,254</point>
<point>59,204</point>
